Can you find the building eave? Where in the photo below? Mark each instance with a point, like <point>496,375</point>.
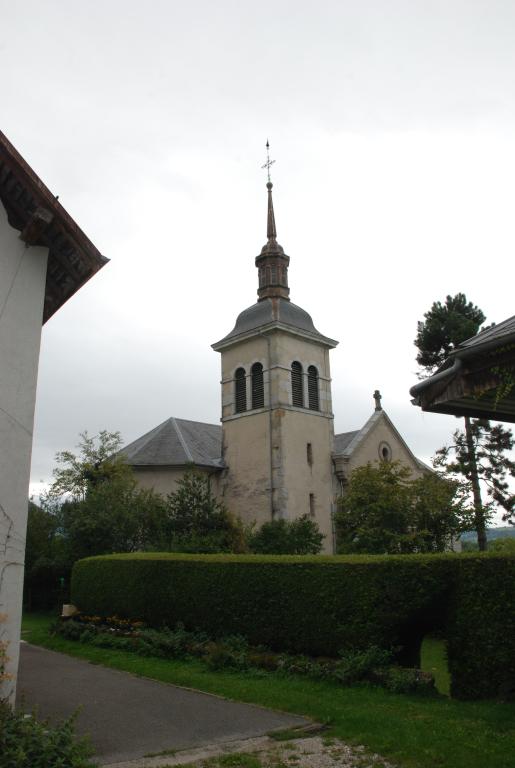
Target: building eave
<point>269,328</point>
<point>474,381</point>
<point>41,220</point>
<point>214,467</point>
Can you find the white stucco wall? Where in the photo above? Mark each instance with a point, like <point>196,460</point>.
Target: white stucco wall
<point>164,480</point>
<point>22,291</point>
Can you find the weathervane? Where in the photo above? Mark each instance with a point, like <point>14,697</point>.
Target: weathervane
<point>268,161</point>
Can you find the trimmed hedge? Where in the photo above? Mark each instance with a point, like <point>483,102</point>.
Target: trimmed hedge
<point>320,605</point>
<point>481,632</point>
<point>312,605</point>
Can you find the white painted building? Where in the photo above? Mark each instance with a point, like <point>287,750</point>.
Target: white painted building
<point>44,259</point>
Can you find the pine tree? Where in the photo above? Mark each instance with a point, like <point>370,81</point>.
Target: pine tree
<point>444,327</point>
<point>491,462</point>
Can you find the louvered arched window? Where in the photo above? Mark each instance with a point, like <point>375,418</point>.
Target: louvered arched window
<point>313,388</point>
<point>240,390</point>
<point>258,391</point>
<point>297,392</point>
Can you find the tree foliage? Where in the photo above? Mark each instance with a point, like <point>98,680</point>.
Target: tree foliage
<point>197,521</point>
<point>444,327</point>
<point>494,467</point>
<point>287,537</point>
<point>47,559</point>
<point>385,510</point>
<point>504,546</point>
<point>114,516</point>
<point>99,461</point>
<point>95,507</point>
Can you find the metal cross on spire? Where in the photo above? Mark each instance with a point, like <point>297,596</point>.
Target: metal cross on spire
<point>268,161</point>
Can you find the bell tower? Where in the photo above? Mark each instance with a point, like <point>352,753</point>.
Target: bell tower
<point>276,403</point>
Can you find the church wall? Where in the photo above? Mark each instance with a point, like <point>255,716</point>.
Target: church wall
<point>245,486</point>
<point>308,477</point>
<point>286,349</point>
<point>244,355</point>
<point>22,291</point>
<point>294,428</point>
<point>267,449</point>
<point>369,450</point>
<point>164,480</point>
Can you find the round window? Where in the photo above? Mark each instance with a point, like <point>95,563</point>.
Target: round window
<point>385,452</point>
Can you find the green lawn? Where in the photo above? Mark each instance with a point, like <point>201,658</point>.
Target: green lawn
<point>433,658</point>
<point>414,732</point>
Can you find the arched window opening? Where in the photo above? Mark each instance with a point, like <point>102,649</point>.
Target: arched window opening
<point>297,392</point>
<point>274,274</point>
<point>313,388</point>
<point>258,390</point>
<point>240,390</point>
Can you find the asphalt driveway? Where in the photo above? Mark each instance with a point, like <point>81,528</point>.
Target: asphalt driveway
<point>128,717</point>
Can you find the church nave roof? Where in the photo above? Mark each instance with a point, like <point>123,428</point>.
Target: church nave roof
<point>176,443</point>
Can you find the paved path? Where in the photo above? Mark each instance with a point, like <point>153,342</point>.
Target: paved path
<point>127,716</point>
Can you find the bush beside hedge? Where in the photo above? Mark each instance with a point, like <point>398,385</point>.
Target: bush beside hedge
<point>24,741</point>
<point>321,605</point>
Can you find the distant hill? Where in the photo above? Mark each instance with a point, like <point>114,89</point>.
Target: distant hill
<point>491,533</point>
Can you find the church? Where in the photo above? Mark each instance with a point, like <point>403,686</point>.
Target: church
<point>275,454</point>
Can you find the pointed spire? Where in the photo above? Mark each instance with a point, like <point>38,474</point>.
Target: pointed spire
<point>271,231</point>
<point>272,262</point>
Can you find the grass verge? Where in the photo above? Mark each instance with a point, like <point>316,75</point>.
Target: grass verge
<point>434,659</point>
<point>414,732</point>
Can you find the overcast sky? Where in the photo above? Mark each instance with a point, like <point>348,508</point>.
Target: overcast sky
<point>392,126</point>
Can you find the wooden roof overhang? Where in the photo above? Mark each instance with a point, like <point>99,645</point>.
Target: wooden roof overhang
<point>41,220</point>
<point>477,381</point>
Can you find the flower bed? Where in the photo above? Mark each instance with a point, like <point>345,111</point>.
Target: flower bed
<point>372,665</point>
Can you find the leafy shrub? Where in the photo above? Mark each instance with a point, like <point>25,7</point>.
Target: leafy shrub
<point>384,509</point>
<point>287,537</point>
<point>27,743</point>
<point>406,680</point>
<point>357,666</point>
<point>373,665</point>
<point>197,521</point>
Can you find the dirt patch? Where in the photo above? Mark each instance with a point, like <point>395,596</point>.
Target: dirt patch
<point>266,752</point>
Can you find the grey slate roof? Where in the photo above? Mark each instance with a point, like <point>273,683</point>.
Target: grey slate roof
<point>343,440</point>
<point>176,443</point>
<point>274,311</point>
